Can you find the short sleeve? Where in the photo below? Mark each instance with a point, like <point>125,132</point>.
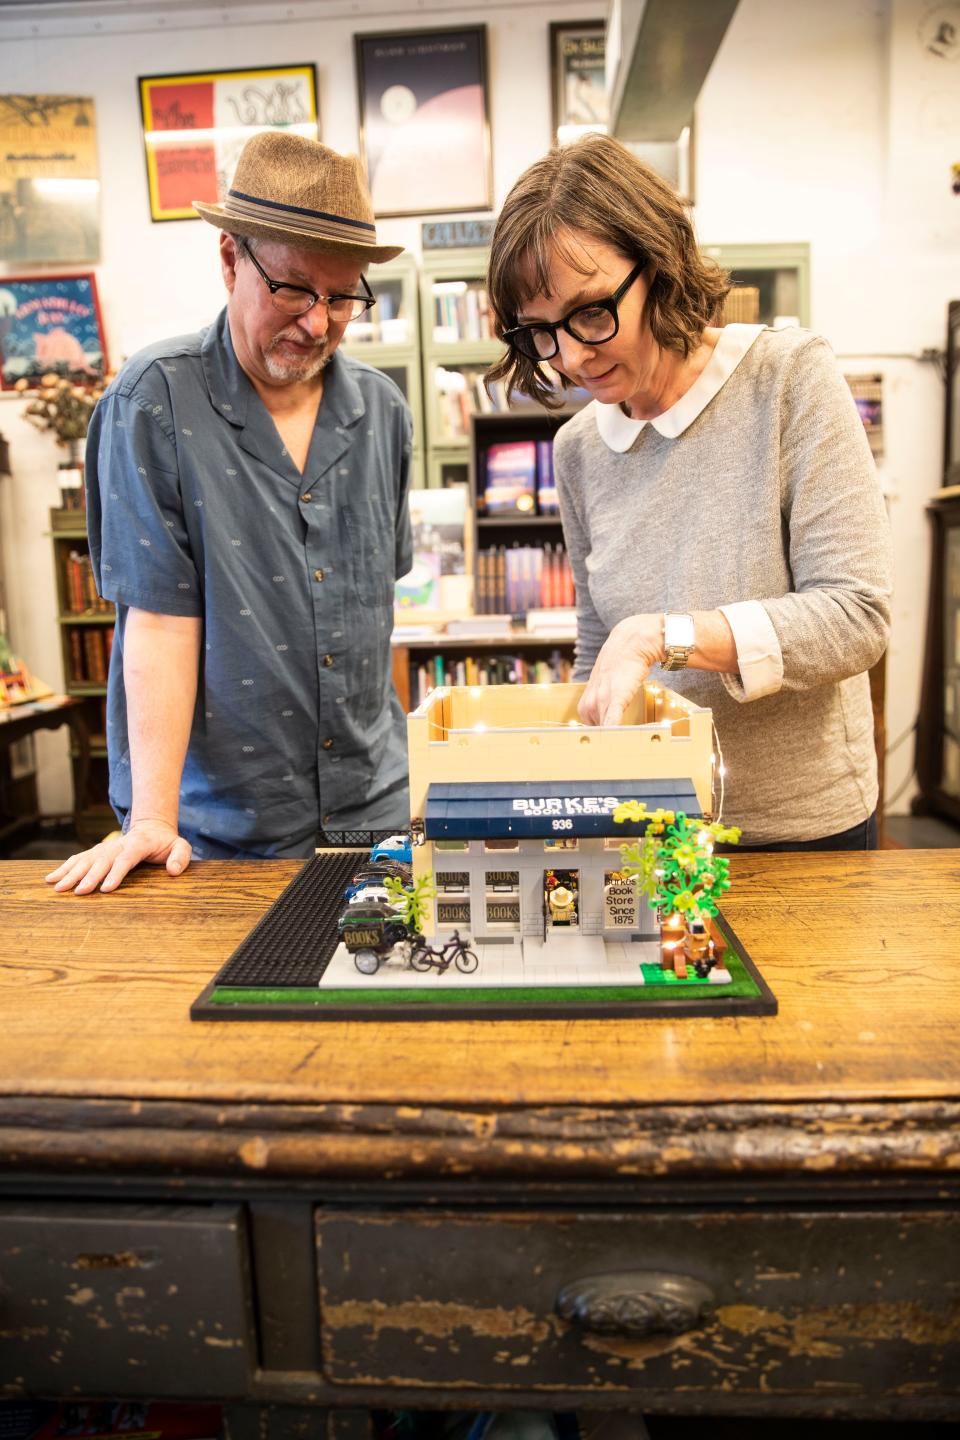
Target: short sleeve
<point>139,546</point>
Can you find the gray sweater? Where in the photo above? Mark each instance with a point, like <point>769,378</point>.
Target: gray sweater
<point>770,494</point>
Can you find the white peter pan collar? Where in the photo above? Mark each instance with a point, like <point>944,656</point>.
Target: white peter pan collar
<point>619,431</point>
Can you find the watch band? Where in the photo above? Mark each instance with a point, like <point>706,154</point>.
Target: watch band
<point>676,652</point>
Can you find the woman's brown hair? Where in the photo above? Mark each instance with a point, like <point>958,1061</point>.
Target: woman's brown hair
<point>596,186</point>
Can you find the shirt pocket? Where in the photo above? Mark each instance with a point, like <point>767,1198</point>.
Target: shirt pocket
<point>370,551</point>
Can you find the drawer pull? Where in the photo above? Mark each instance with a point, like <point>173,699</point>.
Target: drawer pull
<point>637,1303</point>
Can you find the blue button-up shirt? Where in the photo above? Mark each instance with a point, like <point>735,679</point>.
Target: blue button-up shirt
<point>195,508</point>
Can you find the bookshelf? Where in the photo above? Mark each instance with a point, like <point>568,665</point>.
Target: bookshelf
<point>532,527</point>
<point>511,657</point>
<point>86,637</point>
<point>772,282</point>
<point>458,348</point>
<point>388,337</point>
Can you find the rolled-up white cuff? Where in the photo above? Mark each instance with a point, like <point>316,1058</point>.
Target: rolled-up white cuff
<point>759,657</point>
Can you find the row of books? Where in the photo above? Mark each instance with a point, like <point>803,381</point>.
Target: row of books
<point>488,670</point>
<point>79,587</point>
<point>460,312</point>
<point>90,654</point>
<point>516,477</point>
<point>462,393</point>
<point>514,579</point>
<point>72,494</point>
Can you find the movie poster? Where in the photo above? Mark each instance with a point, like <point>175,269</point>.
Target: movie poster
<point>49,181</point>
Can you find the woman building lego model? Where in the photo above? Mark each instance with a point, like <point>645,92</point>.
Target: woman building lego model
<point>718,497</point>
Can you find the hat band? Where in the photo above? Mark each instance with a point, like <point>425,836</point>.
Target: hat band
<point>314,222</point>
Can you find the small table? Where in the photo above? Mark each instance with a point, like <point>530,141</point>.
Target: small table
<point>19,721</point>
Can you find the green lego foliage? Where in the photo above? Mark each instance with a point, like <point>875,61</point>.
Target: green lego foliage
<point>673,863</point>
<point>413,898</point>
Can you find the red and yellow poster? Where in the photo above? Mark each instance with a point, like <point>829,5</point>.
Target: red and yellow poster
<point>194,127</point>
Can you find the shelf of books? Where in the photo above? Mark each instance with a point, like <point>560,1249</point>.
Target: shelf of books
<point>86,631</point>
<point>771,283</point>
<point>458,347</point>
<point>520,562</point>
<point>388,337</point>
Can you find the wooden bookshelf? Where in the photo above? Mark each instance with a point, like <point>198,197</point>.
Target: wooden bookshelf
<point>86,634</point>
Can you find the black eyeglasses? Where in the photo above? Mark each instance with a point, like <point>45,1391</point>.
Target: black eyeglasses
<point>592,324</point>
<point>298,299</point>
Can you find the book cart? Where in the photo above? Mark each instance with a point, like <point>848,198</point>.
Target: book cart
<point>388,337</point>
<point>86,637</point>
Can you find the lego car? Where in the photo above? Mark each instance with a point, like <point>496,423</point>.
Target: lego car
<point>393,847</point>
<point>376,874</point>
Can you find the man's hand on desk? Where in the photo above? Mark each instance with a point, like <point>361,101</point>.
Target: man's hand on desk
<point>153,842</point>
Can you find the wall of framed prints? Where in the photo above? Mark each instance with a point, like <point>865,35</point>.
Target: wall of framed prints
<point>830,125</point>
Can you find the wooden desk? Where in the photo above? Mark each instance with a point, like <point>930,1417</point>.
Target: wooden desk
<point>19,721</point>
<point>329,1215</point>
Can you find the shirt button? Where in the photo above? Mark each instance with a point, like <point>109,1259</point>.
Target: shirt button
<point>328,661</point>
<point>328,744</point>
<point>318,574</point>
<point>305,498</point>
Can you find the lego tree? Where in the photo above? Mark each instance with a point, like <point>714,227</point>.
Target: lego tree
<point>412,898</point>
<point>673,863</point>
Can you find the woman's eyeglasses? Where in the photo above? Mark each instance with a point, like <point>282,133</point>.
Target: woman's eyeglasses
<point>592,324</point>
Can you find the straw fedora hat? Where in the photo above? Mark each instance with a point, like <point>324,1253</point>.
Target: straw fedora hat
<point>297,191</point>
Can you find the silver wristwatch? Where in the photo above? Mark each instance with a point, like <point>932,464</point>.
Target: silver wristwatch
<point>678,640</point>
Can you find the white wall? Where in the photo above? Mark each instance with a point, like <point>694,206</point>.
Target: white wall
<point>825,122</point>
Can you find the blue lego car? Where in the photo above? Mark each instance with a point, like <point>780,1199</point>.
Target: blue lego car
<point>394,847</point>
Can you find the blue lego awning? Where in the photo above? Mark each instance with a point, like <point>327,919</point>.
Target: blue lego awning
<point>534,809</point>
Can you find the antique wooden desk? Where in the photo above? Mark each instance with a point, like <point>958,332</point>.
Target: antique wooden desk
<point>319,1216</point>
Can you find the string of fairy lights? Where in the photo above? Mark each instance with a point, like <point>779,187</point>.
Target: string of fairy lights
<point>439,731</point>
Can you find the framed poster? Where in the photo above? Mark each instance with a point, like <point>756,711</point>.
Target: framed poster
<point>195,125</point>
<point>49,181</point>
<point>577,78</point>
<point>50,324</point>
<point>424,127</point>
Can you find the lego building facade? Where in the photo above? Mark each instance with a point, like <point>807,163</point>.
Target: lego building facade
<point>512,803</point>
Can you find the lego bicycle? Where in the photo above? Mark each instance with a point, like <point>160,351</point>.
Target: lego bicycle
<point>425,957</point>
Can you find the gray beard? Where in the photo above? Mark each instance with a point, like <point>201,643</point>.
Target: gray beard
<point>295,370</point>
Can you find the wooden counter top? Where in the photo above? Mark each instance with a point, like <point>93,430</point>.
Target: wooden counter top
<point>862,951</point>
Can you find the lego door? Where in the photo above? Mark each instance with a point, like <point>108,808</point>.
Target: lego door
<point>561,894</point>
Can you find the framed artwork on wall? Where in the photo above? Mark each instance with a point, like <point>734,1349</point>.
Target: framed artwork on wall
<point>195,125</point>
<point>578,78</point>
<point>50,324</point>
<point>424,126</point>
<point>49,180</point>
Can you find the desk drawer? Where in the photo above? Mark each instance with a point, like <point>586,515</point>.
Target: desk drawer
<point>123,1300</point>
<point>825,1304</point>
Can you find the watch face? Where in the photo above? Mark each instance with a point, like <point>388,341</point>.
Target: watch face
<point>678,630</point>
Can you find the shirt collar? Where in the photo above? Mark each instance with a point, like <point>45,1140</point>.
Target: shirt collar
<point>231,390</point>
<point>619,431</point>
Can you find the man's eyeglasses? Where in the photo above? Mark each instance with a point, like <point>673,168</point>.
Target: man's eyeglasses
<point>592,324</point>
<point>298,299</point>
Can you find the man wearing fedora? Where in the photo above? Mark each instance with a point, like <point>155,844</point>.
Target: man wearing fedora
<point>247,512</point>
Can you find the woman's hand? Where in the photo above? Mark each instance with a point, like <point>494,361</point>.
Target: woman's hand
<point>629,652</point>
<point>105,865</point>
